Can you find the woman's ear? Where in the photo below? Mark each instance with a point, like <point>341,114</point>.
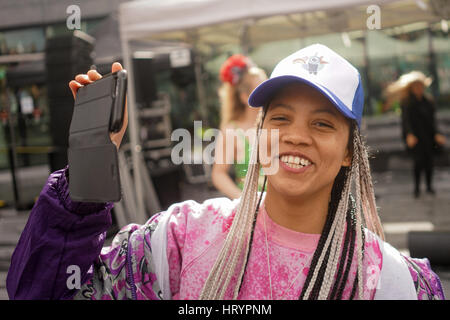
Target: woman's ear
<point>347,161</point>
<point>348,158</point>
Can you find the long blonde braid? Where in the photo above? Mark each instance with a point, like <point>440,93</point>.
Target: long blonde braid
<point>236,245</point>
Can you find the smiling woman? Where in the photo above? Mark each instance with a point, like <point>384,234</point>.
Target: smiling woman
<point>314,234</point>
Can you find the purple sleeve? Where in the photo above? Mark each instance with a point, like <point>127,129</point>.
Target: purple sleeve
<point>426,282</point>
<point>59,233</point>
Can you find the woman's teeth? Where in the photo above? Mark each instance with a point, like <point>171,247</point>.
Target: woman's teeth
<point>295,162</point>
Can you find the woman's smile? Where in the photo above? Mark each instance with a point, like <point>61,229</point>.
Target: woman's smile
<point>295,162</point>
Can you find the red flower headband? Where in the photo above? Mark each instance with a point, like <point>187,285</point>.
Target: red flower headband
<point>233,68</point>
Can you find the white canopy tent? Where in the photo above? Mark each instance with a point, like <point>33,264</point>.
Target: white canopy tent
<point>209,24</point>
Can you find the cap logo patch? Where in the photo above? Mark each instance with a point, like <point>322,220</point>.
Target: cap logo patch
<point>312,64</point>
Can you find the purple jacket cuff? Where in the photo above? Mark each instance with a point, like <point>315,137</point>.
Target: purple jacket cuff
<point>59,233</point>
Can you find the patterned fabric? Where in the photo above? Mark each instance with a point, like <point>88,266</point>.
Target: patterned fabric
<point>126,269</point>
<point>427,283</point>
<point>61,234</point>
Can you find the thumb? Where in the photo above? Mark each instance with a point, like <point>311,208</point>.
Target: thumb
<point>116,66</point>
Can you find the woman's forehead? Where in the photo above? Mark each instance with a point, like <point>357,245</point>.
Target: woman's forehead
<point>300,95</point>
<point>299,90</point>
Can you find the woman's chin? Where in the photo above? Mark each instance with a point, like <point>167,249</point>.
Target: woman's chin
<point>291,189</point>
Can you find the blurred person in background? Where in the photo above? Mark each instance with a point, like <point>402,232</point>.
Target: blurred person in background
<point>239,77</point>
<point>419,129</point>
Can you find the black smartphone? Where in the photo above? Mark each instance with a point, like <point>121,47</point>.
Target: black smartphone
<point>99,109</point>
<point>119,96</point>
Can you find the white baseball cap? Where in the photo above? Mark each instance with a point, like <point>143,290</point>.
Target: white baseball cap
<point>321,68</point>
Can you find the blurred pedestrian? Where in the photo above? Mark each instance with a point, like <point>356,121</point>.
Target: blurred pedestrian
<point>314,234</point>
<point>419,128</point>
<point>239,76</point>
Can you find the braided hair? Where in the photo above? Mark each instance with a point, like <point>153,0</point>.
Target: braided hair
<point>344,228</point>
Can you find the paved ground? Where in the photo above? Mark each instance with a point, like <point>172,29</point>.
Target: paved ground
<point>399,211</point>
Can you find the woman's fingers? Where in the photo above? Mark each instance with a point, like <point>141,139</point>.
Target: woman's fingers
<point>74,86</point>
<point>83,79</point>
<point>116,66</point>
<point>80,81</point>
<point>93,75</point>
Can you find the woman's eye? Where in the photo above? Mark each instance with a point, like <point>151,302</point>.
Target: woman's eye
<point>323,124</point>
<point>278,118</point>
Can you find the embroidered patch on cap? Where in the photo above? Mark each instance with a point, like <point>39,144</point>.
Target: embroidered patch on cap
<point>312,64</point>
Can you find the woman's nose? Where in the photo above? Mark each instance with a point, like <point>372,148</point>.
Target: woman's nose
<point>297,135</point>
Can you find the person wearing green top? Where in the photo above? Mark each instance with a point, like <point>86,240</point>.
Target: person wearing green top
<point>241,167</point>
<point>239,77</point>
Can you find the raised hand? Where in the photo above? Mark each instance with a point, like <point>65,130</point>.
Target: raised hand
<point>91,76</point>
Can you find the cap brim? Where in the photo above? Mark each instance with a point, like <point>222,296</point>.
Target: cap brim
<point>263,94</point>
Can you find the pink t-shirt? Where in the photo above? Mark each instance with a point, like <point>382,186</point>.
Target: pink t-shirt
<point>196,237</point>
